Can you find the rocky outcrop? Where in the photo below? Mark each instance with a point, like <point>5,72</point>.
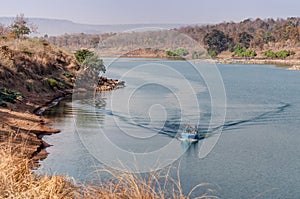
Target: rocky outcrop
<point>105,84</point>
<point>295,67</point>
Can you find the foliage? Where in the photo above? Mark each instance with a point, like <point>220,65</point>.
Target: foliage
<point>250,54</point>
<point>284,54</point>
<point>95,63</point>
<point>217,41</point>
<point>252,32</point>
<point>20,27</point>
<point>212,53</point>
<point>245,39</point>
<point>170,53</point>
<point>7,95</point>
<point>90,60</point>
<point>180,52</point>
<point>241,51</point>
<point>68,75</point>
<point>52,83</point>
<point>270,54</point>
<point>81,55</point>
<point>281,54</point>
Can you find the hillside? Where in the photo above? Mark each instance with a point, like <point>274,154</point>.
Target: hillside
<point>35,68</point>
<point>32,73</point>
<point>257,34</point>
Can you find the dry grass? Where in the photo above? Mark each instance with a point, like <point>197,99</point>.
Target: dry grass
<point>17,180</point>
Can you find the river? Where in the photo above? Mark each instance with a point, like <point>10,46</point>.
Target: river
<point>255,156</point>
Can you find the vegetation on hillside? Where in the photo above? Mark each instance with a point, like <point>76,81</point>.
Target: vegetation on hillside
<point>257,35</point>
<point>254,34</point>
<point>32,66</point>
<point>7,95</point>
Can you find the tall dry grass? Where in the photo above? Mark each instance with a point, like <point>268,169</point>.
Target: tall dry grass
<point>18,181</point>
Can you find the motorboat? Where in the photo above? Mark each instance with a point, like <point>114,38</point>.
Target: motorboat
<point>190,134</point>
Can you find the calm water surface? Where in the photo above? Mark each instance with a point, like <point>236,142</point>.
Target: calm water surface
<point>257,155</point>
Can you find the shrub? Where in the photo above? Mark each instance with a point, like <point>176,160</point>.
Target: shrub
<point>212,53</point>
<point>270,54</point>
<point>281,54</point>
<point>68,75</point>
<point>242,52</point>
<point>7,95</point>
<point>81,55</point>
<point>180,52</point>
<point>90,60</point>
<point>52,83</point>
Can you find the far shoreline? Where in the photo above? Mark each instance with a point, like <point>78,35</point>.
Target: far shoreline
<point>289,64</point>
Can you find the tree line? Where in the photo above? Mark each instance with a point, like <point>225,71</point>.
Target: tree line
<point>254,34</point>
<point>242,39</point>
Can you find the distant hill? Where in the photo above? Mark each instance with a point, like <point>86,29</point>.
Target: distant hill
<point>54,27</point>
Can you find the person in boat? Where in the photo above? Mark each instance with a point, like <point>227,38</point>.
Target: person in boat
<point>188,129</point>
<point>196,129</point>
<point>191,130</point>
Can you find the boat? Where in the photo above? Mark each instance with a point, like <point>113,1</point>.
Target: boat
<point>188,137</point>
<point>190,134</point>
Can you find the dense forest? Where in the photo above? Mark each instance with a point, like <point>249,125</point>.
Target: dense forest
<point>258,34</point>
<point>249,38</point>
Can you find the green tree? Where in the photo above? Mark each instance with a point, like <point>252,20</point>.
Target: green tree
<point>284,54</point>
<point>212,53</point>
<point>180,52</point>
<point>171,53</point>
<point>81,55</point>
<point>250,54</point>
<point>90,60</point>
<point>268,37</point>
<point>20,27</point>
<point>239,50</point>
<point>217,41</point>
<point>270,54</point>
<point>245,39</point>
<point>95,63</point>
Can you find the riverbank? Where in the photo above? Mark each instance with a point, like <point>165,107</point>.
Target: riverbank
<point>33,73</point>
<point>225,58</point>
<point>290,64</point>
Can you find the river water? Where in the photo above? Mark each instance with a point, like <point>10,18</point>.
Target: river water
<point>256,155</point>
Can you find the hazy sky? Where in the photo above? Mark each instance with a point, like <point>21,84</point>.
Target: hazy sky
<point>151,11</point>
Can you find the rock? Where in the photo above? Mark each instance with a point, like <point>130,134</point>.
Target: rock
<point>105,84</point>
<point>295,67</point>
